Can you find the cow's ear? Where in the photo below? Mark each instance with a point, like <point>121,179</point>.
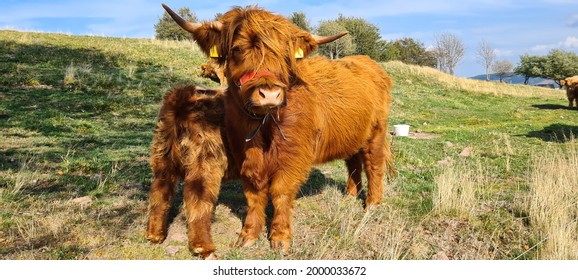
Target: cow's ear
<point>208,37</point>
<point>562,82</point>
<point>308,42</point>
<point>305,44</point>
<point>207,34</point>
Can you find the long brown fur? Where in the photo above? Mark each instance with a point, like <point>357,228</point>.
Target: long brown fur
<point>334,110</point>
<point>571,85</point>
<point>188,144</point>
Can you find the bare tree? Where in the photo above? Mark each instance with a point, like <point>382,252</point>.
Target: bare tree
<point>486,56</point>
<point>503,69</point>
<point>449,51</point>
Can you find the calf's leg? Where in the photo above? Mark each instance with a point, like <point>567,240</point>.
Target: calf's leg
<point>255,219</point>
<point>354,167</point>
<point>375,156</point>
<point>200,194</point>
<point>160,198</point>
<point>255,188</point>
<point>284,188</point>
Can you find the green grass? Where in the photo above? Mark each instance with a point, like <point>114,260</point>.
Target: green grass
<point>76,120</point>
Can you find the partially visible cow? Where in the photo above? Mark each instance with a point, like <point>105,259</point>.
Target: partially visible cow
<point>571,85</point>
<point>285,112</point>
<point>189,144</point>
<point>212,70</point>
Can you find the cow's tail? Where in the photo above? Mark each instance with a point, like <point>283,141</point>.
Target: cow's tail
<point>390,171</point>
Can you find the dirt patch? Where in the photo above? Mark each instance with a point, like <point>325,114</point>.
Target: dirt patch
<point>178,230</point>
<point>423,135</point>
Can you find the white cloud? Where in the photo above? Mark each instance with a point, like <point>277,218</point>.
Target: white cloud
<point>570,42</point>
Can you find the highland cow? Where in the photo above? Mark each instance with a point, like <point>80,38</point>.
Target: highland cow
<point>212,70</point>
<point>286,112</point>
<point>571,85</point>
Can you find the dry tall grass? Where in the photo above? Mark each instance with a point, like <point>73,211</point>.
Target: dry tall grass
<point>452,82</point>
<point>455,191</point>
<point>343,230</point>
<point>553,204</point>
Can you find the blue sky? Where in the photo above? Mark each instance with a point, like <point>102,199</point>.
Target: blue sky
<point>512,27</point>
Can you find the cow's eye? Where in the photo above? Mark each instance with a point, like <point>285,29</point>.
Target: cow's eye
<point>236,49</point>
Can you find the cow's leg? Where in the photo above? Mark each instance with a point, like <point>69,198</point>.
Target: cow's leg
<point>200,194</point>
<point>284,188</point>
<point>375,157</point>
<point>160,198</point>
<point>255,188</point>
<point>354,166</point>
<point>255,220</point>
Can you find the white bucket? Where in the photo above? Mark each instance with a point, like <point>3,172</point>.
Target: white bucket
<point>401,130</point>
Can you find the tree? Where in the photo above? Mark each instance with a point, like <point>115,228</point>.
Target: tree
<point>530,66</point>
<point>407,50</point>
<point>560,64</point>
<point>449,51</point>
<point>503,69</point>
<point>299,19</point>
<point>167,29</point>
<point>364,34</point>
<point>338,48</point>
<point>556,65</point>
<point>486,56</point>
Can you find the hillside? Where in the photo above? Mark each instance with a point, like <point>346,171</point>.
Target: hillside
<point>76,120</point>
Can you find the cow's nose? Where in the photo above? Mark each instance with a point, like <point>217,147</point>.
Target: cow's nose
<point>270,97</point>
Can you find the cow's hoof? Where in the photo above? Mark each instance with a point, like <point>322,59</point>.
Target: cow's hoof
<point>245,242</point>
<point>204,250</point>
<point>281,245</point>
<point>156,238</point>
<point>211,256</point>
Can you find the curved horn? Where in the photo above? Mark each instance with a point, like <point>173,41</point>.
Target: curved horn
<point>188,26</point>
<point>328,39</point>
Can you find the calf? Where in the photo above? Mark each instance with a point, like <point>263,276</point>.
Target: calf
<point>189,144</point>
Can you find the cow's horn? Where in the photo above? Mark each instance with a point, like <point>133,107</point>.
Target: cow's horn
<point>328,39</point>
<point>189,26</point>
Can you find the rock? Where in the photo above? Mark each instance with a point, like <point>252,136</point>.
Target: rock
<point>177,232</point>
<point>172,250</point>
<point>450,144</point>
<point>466,152</point>
<point>445,161</point>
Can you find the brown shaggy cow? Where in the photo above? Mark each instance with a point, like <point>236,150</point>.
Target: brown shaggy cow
<point>188,144</point>
<point>212,70</point>
<point>285,112</point>
<point>571,85</point>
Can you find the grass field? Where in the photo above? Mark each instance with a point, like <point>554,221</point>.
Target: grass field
<point>496,178</point>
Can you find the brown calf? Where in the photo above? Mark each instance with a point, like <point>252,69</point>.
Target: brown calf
<point>188,144</point>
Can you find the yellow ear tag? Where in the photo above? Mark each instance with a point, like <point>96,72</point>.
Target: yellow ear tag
<point>214,52</point>
<point>299,53</point>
